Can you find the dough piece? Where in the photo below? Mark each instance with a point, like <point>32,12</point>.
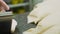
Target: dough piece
<point>43,9</point>
<point>49,25</point>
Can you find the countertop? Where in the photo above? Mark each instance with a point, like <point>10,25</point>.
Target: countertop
<point>22,23</point>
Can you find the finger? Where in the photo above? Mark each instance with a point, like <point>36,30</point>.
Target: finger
<point>5,6</point>
<point>2,9</point>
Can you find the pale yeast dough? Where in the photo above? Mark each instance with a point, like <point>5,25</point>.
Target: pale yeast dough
<point>48,15</point>
<point>43,9</point>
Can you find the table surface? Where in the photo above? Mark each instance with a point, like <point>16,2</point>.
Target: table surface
<point>22,23</point>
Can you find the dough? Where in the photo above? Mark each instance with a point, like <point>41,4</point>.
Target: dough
<point>49,25</point>
<point>43,9</point>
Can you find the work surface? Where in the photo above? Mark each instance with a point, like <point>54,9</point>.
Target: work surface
<point>22,23</point>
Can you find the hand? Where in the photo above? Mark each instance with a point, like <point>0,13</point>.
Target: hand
<point>3,5</point>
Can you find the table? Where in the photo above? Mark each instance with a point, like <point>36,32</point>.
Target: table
<point>22,23</point>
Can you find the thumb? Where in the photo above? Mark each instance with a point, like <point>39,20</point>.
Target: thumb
<point>4,5</point>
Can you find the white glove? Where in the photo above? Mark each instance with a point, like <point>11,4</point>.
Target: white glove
<point>41,10</point>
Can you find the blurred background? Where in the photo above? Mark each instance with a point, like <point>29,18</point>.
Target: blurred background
<point>21,6</point>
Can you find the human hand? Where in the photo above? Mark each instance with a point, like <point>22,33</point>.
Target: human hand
<point>3,5</point>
